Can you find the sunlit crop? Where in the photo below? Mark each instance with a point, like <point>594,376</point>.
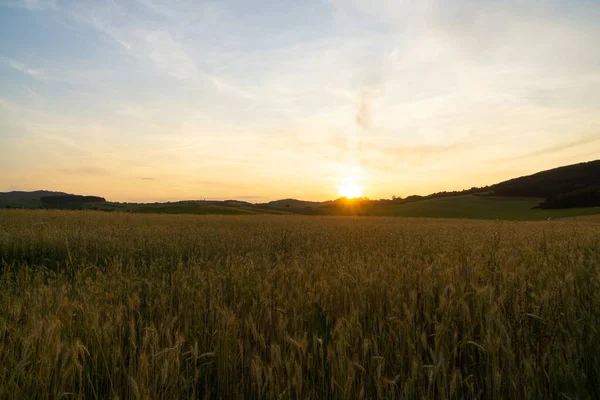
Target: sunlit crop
<point>103,305</point>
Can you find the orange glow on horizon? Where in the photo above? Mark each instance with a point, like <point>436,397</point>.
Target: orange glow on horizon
<point>350,189</point>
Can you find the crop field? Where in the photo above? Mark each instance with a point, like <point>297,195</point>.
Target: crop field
<point>134,306</point>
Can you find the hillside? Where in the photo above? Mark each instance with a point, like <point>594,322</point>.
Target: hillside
<point>47,199</point>
<point>552,182</point>
<point>22,199</point>
<point>20,196</point>
<point>565,191</point>
<point>479,207</point>
<point>71,201</point>
<point>572,186</point>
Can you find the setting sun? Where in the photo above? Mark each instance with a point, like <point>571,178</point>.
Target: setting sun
<point>350,189</point>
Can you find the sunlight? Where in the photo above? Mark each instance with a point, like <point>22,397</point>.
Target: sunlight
<point>350,189</point>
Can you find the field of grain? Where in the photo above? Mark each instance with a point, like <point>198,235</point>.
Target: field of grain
<point>115,305</point>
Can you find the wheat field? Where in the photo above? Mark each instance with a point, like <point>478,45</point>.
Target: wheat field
<point>112,305</point>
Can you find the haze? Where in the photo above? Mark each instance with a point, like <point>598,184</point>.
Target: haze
<point>146,100</point>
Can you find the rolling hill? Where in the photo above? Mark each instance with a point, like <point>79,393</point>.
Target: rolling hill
<point>560,192</point>
<point>21,199</point>
<point>20,196</point>
<point>552,182</point>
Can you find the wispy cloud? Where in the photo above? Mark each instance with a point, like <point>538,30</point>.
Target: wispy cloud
<point>565,145</point>
<point>185,12</point>
<point>155,42</point>
<point>169,55</point>
<point>36,96</point>
<point>229,88</point>
<point>32,5</point>
<point>36,73</point>
<point>158,8</point>
<point>93,20</point>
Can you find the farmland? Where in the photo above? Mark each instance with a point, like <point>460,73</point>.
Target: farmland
<point>463,206</point>
<point>107,305</point>
<point>480,207</point>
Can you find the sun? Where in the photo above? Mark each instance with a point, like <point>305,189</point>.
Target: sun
<point>350,189</point>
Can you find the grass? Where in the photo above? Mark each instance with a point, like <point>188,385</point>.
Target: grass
<point>107,305</point>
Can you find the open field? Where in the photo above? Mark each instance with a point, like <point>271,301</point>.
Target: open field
<point>107,305</point>
<point>480,207</point>
<point>465,206</point>
<point>457,206</point>
<point>205,210</point>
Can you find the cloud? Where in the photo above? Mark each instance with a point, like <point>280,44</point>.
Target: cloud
<point>386,157</point>
<point>363,113</point>
<point>561,147</point>
<point>147,178</point>
<point>172,58</point>
<point>36,73</point>
<point>228,88</point>
<point>154,43</point>
<point>185,13</point>
<point>169,55</point>
<point>93,19</point>
<point>31,5</point>
<point>523,33</point>
<point>158,8</point>
<point>33,93</point>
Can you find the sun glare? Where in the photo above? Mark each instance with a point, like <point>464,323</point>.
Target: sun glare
<point>350,189</point>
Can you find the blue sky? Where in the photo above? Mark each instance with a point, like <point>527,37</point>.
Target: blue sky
<point>149,100</point>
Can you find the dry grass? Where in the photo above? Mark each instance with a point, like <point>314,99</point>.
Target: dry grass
<point>99,305</point>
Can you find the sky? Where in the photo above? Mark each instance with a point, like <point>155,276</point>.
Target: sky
<point>147,100</point>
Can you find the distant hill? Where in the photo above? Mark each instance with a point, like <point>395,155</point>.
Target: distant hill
<point>46,199</point>
<point>571,186</point>
<point>19,196</point>
<point>292,203</point>
<point>574,187</point>
<point>552,182</point>
<point>70,201</point>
